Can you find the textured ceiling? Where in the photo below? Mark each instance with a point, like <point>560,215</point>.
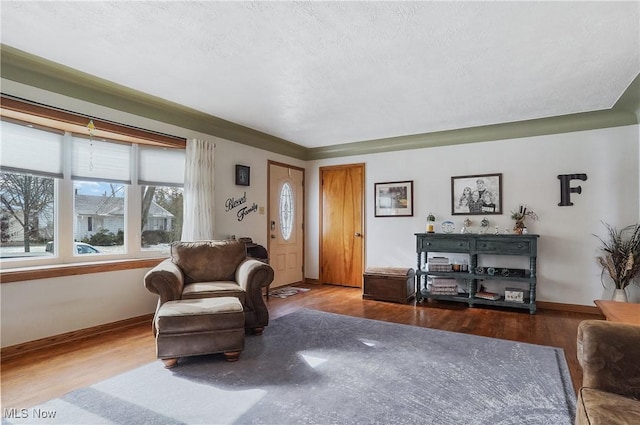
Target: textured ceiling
<point>326,73</point>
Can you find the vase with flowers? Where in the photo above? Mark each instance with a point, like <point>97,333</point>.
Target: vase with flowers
<point>520,215</point>
<point>620,257</point>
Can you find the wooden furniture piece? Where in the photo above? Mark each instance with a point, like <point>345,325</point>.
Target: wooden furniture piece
<point>389,284</point>
<point>616,311</point>
<point>475,246</point>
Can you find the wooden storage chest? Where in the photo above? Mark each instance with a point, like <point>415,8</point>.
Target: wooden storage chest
<point>389,284</point>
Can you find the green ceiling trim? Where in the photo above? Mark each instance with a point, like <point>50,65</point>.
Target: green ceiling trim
<point>35,71</point>
<point>630,99</point>
<point>554,125</point>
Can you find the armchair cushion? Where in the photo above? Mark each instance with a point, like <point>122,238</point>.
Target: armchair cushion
<point>207,261</point>
<point>213,290</point>
<point>602,407</point>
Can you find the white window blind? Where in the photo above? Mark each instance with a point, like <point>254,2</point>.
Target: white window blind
<point>161,166</point>
<point>97,160</point>
<point>31,150</point>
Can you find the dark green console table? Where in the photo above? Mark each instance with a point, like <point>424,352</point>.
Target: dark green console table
<point>476,245</point>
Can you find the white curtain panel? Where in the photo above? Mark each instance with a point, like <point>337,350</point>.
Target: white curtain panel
<point>198,191</point>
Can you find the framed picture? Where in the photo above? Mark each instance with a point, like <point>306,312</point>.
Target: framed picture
<point>476,195</point>
<point>243,176</point>
<point>394,199</point>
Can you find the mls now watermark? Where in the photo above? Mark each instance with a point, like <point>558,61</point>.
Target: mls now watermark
<point>28,414</point>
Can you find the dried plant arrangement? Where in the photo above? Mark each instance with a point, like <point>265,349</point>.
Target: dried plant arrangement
<point>620,257</point>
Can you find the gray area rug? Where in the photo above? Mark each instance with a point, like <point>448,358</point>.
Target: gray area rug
<point>311,367</point>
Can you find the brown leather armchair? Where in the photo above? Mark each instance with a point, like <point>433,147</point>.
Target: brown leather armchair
<point>208,269</point>
<point>609,353</point>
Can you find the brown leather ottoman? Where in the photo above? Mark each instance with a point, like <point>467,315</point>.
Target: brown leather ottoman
<point>199,326</point>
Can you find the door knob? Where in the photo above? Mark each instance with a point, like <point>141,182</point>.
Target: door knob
<point>358,234</point>
<point>273,236</point>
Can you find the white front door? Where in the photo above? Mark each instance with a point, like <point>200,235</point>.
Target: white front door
<point>286,227</point>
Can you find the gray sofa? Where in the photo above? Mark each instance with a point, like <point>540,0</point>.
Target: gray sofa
<point>609,353</point>
<point>207,269</point>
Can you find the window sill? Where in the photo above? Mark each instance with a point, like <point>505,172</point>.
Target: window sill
<point>58,270</point>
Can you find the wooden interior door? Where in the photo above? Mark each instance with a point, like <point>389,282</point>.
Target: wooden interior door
<point>341,224</point>
<point>286,227</point>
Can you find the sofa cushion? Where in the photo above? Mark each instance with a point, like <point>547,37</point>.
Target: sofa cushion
<point>207,261</point>
<point>601,407</point>
<point>213,289</point>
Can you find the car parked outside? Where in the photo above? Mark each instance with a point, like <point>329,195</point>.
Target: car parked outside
<point>81,248</point>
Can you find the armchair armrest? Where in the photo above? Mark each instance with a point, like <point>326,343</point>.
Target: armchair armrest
<point>165,279</point>
<point>609,354</point>
<point>253,275</point>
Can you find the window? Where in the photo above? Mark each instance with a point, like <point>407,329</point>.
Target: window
<point>161,175</point>
<point>67,195</point>
<point>101,171</point>
<point>31,162</point>
<point>161,217</point>
<point>100,216</point>
<point>286,211</point>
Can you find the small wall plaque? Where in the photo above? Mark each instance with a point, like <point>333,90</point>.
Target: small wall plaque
<point>243,176</point>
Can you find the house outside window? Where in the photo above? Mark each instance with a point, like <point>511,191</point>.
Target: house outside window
<point>100,212</point>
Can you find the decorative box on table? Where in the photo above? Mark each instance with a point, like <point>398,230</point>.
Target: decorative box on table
<point>389,284</point>
<point>516,295</point>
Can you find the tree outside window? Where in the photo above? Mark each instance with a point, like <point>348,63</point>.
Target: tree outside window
<point>27,212</point>
<point>161,216</point>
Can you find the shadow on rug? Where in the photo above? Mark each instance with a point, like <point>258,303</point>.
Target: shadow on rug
<point>311,367</point>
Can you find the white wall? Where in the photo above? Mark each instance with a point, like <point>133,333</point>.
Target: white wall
<point>40,308</point>
<point>567,271</point>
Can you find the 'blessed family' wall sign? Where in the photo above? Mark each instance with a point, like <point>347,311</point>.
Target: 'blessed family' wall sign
<point>241,213</point>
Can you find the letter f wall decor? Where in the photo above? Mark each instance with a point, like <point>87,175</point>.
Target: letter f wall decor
<point>566,190</point>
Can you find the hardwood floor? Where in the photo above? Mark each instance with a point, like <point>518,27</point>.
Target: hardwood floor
<point>40,375</point>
